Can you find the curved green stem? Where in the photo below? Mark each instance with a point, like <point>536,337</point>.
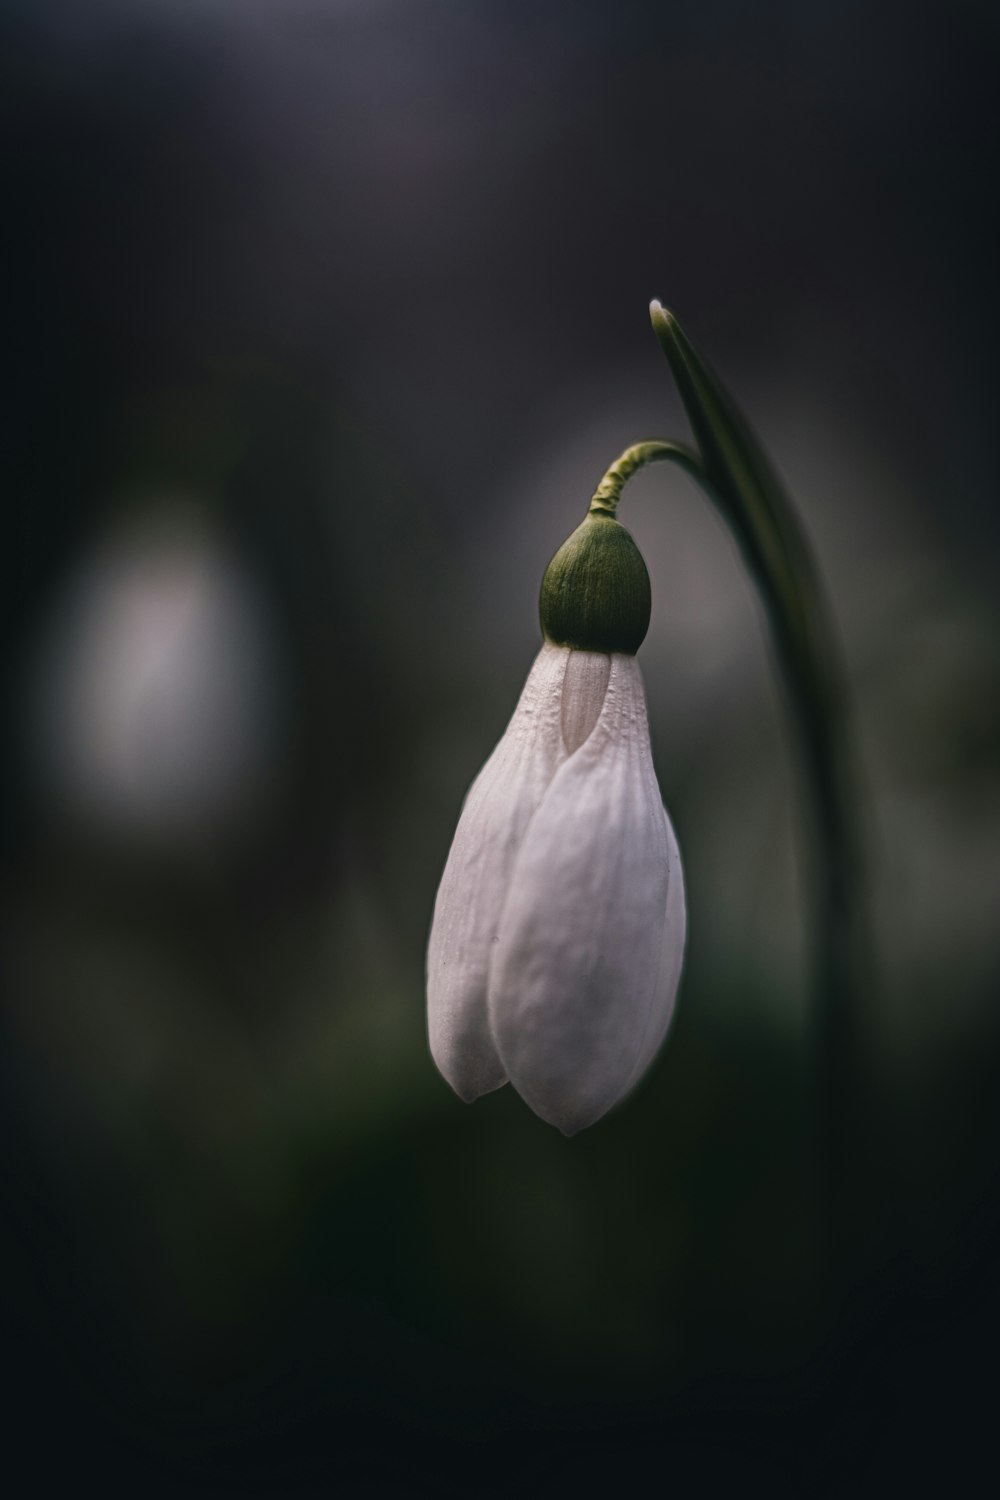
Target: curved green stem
<point>609,491</point>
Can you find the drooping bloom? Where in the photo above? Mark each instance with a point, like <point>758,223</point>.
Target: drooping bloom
<point>558,932</point>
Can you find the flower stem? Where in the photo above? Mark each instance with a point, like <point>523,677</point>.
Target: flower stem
<point>609,491</point>
<point>732,470</point>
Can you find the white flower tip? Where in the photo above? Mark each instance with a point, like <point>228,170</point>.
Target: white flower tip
<point>470,1091</point>
<point>467,1066</point>
<point>571,1110</point>
<point>571,1125</point>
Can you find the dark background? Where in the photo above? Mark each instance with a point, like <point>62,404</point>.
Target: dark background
<point>324,318</point>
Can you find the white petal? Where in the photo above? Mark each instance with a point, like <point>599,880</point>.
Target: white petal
<point>497,810</point>
<point>584,689</point>
<point>671,960</point>
<point>577,964</point>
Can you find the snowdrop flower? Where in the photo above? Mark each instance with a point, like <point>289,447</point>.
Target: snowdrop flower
<point>558,933</point>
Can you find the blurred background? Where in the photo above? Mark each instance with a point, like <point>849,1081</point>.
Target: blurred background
<point>324,319</point>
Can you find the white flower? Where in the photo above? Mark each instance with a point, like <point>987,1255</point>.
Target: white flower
<point>558,933</point>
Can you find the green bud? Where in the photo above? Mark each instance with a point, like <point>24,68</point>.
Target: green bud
<point>595,593</point>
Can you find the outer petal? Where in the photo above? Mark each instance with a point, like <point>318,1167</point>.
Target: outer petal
<point>577,964</point>
<point>671,960</point>
<point>497,810</point>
